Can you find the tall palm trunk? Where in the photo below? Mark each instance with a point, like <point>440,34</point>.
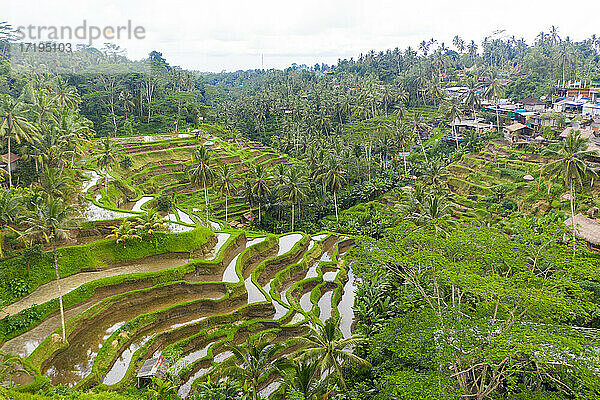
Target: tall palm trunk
<point>497,117</point>
<point>60,302</point>
<point>206,202</point>
<point>337,218</point>
<point>226,219</point>
<point>404,157</point>
<point>455,135</point>
<point>9,167</point>
<point>572,214</point>
<point>423,149</point>
<point>292,217</point>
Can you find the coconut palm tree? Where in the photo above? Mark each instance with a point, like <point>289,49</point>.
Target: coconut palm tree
<point>10,211</point>
<point>294,188</point>
<point>14,125</point>
<point>202,173</point>
<point>149,222</point>
<point>494,92</point>
<point>571,167</point>
<point>334,179</point>
<point>50,220</point>
<point>251,361</point>
<point>432,208</point>
<point>418,124</point>
<point>56,184</point>
<point>260,186</point>
<point>452,110</point>
<point>327,345</point>
<point>227,185</point>
<point>302,376</point>
<point>109,155</point>
<point>403,137</point>
<point>217,389</point>
<point>64,96</point>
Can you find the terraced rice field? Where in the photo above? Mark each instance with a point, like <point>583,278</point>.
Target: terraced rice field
<point>242,285</point>
<point>159,168</point>
<point>190,303</point>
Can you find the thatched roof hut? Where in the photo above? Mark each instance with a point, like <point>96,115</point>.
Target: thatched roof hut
<point>587,229</point>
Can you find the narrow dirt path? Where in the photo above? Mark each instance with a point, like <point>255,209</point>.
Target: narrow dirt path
<point>69,283</point>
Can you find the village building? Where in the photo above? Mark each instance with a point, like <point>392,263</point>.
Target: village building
<point>461,126</point>
<point>517,132</point>
<point>14,161</point>
<point>591,110</point>
<point>535,105</point>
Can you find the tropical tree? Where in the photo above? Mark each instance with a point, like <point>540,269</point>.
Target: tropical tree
<point>334,179</point>
<point>260,186</point>
<point>432,209</point>
<point>494,92</point>
<point>251,361</point>
<point>302,376</point>
<point>217,390</point>
<point>149,222</point>
<point>51,220</point>
<point>294,188</point>
<point>124,232</point>
<point>14,125</point>
<point>327,345</point>
<point>56,184</point>
<point>10,211</point>
<point>571,167</point>
<point>418,124</point>
<point>202,173</point>
<point>227,184</point>
<point>109,155</point>
<point>452,110</point>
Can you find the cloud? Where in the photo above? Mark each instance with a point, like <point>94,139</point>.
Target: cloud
<point>232,34</point>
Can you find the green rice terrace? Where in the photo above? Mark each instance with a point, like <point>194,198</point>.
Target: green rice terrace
<point>188,293</point>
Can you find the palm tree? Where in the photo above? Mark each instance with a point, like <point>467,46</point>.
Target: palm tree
<point>14,124</point>
<point>302,376</point>
<point>149,222</point>
<point>10,208</point>
<point>252,361</point>
<point>227,185</point>
<point>109,154</point>
<point>571,167</point>
<point>494,92</point>
<point>51,219</point>
<point>418,124</point>
<point>294,188</point>
<point>403,136</point>
<point>452,110</point>
<point>472,101</point>
<point>65,96</point>
<point>334,179</point>
<point>327,345</point>
<point>201,173</point>
<point>219,389</point>
<point>432,208</point>
<point>56,184</point>
<point>260,186</point>
<point>124,232</point>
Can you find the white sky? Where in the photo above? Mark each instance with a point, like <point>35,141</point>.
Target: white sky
<point>229,35</point>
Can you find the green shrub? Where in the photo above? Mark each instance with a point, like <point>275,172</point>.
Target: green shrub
<point>164,203</point>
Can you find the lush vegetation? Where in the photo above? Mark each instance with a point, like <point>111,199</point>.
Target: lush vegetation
<point>469,284</point>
